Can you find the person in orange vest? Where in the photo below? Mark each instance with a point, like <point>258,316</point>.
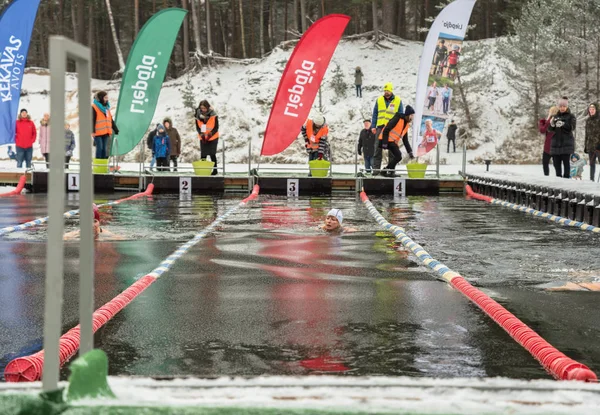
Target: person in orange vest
<point>396,129</point>
<point>207,125</point>
<point>103,124</point>
<point>315,133</point>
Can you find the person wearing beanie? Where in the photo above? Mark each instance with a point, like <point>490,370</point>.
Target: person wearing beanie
<point>577,164</point>
<point>162,148</point>
<point>207,126</point>
<point>385,108</point>
<point>333,222</point>
<point>174,140</point>
<point>315,132</point>
<point>394,131</point>
<point>592,137</point>
<point>25,135</point>
<point>563,125</point>
<point>103,124</point>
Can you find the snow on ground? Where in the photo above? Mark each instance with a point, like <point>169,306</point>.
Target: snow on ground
<point>382,394</point>
<point>242,95</point>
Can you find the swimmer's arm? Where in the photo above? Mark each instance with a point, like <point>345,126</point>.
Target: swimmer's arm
<point>110,235</point>
<point>350,229</point>
<point>69,236</point>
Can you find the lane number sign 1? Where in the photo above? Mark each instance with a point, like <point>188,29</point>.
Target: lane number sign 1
<point>293,187</point>
<point>73,181</point>
<point>399,187</point>
<point>185,185</point>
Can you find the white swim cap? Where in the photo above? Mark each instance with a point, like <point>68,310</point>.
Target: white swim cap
<point>337,214</point>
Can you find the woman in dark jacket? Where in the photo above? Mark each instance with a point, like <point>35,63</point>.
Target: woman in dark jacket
<point>592,137</point>
<point>543,125</point>
<point>563,143</point>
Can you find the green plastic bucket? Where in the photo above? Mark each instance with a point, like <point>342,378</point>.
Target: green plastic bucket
<point>319,164</point>
<point>416,170</point>
<point>203,167</point>
<point>100,166</point>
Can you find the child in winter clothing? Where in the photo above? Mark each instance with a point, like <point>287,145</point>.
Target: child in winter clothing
<point>577,164</point>
<point>69,144</point>
<point>162,148</point>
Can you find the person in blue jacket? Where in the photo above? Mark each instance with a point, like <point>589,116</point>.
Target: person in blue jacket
<point>162,148</point>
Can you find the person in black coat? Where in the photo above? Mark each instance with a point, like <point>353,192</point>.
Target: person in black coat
<point>563,142</point>
<point>366,145</point>
<point>150,144</point>
<point>451,135</point>
<point>394,154</point>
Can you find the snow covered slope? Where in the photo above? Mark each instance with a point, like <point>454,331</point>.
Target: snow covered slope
<point>242,95</point>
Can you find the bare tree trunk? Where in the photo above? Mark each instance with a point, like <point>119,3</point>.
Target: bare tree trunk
<point>271,31</point>
<point>285,21</point>
<point>208,28</point>
<point>196,25</point>
<point>401,28</point>
<point>303,15</point>
<point>114,35</point>
<point>390,15</point>
<point>261,25</point>
<point>375,23</point>
<point>243,37</point>
<point>186,36</point>
<point>74,22</point>
<point>91,28</point>
<point>322,8</point>
<point>61,17</point>
<point>465,103</point>
<point>598,67</point>
<point>586,63</point>
<point>81,22</point>
<point>136,16</point>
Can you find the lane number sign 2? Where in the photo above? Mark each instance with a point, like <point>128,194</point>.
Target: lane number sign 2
<point>185,185</point>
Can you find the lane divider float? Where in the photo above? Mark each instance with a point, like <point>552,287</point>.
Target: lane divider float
<point>17,191</point>
<point>29,368</point>
<point>545,215</point>
<point>71,213</point>
<point>555,362</point>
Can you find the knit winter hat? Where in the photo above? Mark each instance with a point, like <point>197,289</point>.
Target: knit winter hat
<point>160,127</point>
<point>318,119</point>
<point>388,87</point>
<point>336,213</point>
<point>409,110</point>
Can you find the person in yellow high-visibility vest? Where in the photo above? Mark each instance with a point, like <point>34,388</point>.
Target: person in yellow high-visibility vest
<point>385,108</point>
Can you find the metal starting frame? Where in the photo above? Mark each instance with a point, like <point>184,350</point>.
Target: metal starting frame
<point>62,49</point>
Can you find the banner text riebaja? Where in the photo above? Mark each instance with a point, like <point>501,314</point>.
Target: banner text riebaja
<point>300,82</point>
<point>438,72</point>
<point>143,77</point>
<point>16,25</point>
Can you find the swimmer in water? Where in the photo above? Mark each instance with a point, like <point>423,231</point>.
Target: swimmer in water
<point>333,222</point>
<point>99,233</point>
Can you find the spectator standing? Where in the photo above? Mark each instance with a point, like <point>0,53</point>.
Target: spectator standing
<point>104,125</point>
<point>162,147</point>
<point>150,144</point>
<point>543,125</point>
<point>366,145</point>
<point>315,132</point>
<point>358,80</point>
<point>25,135</point>
<point>451,135</point>
<point>592,137</point>
<point>45,137</point>
<point>11,154</point>
<point>175,141</point>
<point>207,125</point>
<point>394,131</point>
<point>563,143</point>
<point>385,108</point>
<point>69,144</point>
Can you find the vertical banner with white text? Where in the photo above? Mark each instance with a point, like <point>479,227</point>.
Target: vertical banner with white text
<point>16,26</point>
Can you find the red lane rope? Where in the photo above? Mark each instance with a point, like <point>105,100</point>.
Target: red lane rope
<point>555,362</point>
<point>477,196</point>
<point>17,191</point>
<point>29,368</point>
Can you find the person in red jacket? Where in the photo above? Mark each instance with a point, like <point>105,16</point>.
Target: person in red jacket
<point>25,135</point>
<point>543,127</point>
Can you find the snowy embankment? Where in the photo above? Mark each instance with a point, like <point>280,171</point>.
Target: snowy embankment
<point>242,95</point>
<point>349,395</point>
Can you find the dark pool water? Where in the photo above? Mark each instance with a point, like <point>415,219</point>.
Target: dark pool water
<point>269,294</point>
